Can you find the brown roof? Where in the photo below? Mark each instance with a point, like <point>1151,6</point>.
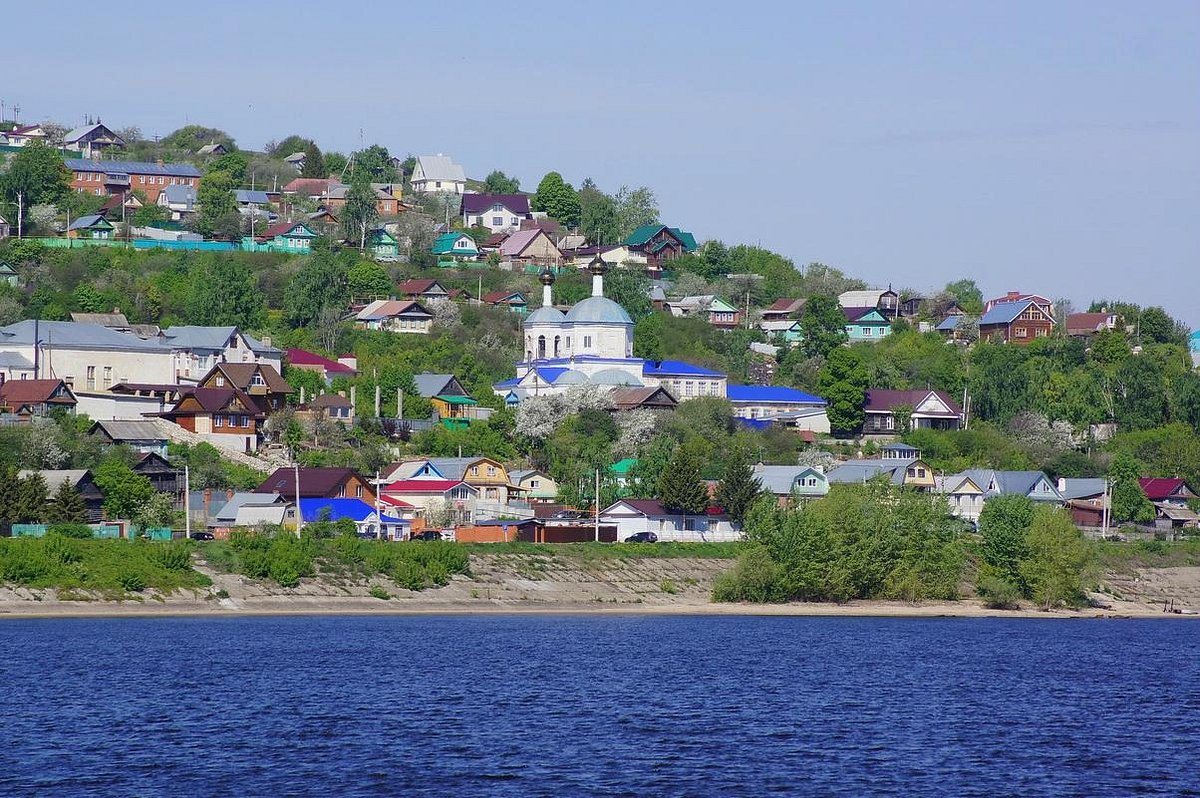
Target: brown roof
<point>496,297</point>
<point>214,400</point>
<point>785,305</point>
<point>310,185</point>
<point>240,374</point>
<point>27,392</point>
<point>629,398</point>
<point>330,400</point>
<point>1084,323</point>
<point>885,401</point>
<point>419,286</point>
<point>314,482</point>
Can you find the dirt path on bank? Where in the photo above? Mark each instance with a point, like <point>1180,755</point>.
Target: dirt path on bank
<point>534,583</point>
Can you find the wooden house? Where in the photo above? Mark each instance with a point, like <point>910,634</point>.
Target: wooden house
<point>659,245</point>
<point>226,417</point>
<point>1018,322</point>
<point>318,483</point>
<point>260,380</point>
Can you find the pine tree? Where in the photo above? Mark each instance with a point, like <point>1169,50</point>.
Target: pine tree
<point>314,162</point>
<point>739,488</point>
<point>9,491</point>
<point>680,488</point>
<point>66,505</point>
<point>30,504</point>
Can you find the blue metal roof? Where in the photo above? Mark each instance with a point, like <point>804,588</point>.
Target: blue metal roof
<point>770,393</point>
<point>354,509</point>
<point>673,367</point>
<point>1005,312</point>
<point>247,195</point>
<point>949,323</point>
<point>134,167</point>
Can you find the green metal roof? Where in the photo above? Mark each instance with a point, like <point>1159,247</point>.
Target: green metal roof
<point>456,400</point>
<point>445,245</point>
<point>648,231</point>
<point>623,466</point>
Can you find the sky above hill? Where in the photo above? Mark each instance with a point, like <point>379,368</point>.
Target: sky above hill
<point>1049,147</point>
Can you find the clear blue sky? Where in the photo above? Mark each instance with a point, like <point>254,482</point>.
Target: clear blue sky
<point>1042,146</point>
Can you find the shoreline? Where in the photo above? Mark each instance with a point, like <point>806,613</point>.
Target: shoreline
<point>325,606</point>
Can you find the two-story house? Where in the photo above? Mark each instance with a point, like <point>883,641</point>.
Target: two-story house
<point>437,173</point>
<point>225,417</point>
<point>885,300</point>
<point>792,484</point>
<point>117,177</point>
<point>659,245</point>
<point>713,309</point>
<point>1019,322</point>
<point>197,350</point>
<point>925,409</point>
<point>259,380</point>
<point>497,212</point>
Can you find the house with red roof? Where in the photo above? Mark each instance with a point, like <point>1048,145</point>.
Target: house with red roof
<point>326,368</point>
<point>27,398</point>
<point>512,301</point>
<point>926,409</point>
<point>1168,490</point>
<point>394,315</point>
<point>631,516</point>
<point>294,237</point>
<point>423,495</point>
<point>496,212</point>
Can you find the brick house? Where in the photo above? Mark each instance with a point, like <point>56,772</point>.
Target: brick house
<point>117,177</point>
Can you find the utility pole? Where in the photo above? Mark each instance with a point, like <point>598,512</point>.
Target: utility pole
<point>378,511</point>
<point>399,404</point>
<point>299,515</point>
<point>20,213</point>
<point>187,503</point>
<point>597,508</point>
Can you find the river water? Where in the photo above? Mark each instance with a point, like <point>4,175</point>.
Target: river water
<point>598,705</point>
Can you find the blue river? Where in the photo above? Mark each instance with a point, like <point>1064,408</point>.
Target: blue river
<point>598,706</point>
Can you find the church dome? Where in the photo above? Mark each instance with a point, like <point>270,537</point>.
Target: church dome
<point>598,310</point>
<point>545,315</point>
<point>615,377</point>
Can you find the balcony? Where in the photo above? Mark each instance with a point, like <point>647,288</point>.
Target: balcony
<point>116,179</point>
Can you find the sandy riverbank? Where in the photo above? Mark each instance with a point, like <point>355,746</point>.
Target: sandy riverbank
<point>508,584</point>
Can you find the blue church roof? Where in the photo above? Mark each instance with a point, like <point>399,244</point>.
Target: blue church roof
<point>677,367</point>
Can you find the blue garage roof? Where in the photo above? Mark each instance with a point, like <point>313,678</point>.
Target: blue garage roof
<point>770,393</point>
<point>354,509</point>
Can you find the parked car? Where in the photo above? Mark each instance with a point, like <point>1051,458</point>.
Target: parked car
<point>428,534</point>
<point>642,537</point>
<point>202,536</point>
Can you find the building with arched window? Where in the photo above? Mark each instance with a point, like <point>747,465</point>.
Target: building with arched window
<point>592,344</point>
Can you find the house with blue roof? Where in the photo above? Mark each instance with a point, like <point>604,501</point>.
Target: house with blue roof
<point>92,226</point>
<point>774,401</point>
<point>1017,322</point>
<point>792,484</point>
<point>368,521</point>
<point>119,177</point>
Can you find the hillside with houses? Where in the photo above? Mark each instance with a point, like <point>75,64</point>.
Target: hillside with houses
<point>200,338</point>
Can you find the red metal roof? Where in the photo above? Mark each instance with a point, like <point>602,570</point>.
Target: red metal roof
<point>22,392</point>
<point>422,486</point>
<point>418,286</point>
<point>301,357</point>
<point>1159,488</point>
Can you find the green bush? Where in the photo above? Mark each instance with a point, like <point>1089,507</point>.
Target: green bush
<point>377,592</point>
<point>132,580</point>
<point>998,593</point>
<point>80,531</point>
<point>172,556</point>
<point>755,578</point>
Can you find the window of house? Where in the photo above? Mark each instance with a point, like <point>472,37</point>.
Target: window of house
<point>497,208</point>
<point>533,483</point>
<point>497,221</point>
<point>866,330</point>
<point>491,471</point>
<point>220,381</point>
<point>99,192</point>
<point>245,421</point>
<point>218,421</point>
<point>257,379</point>
<point>688,388</point>
<point>912,472</point>
<point>341,492</point>
<point>91,378</point>
<point>437,184</point>
<point>1019,332</point>
<point>474,471</point>
<point>358,492</point>
<point>587,342</point>
<point>513,221</point>
<point>107,376</point>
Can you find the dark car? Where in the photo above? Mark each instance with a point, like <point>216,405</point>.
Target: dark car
<point>428,534</point>
<point>642,537</point>
<point>202,536</point>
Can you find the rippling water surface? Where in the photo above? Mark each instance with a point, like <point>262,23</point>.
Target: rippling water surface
<point>613,706</point>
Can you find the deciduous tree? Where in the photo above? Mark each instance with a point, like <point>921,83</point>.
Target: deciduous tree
<point>823,325</point>
<point>558,199</point>
<point>499,183</point>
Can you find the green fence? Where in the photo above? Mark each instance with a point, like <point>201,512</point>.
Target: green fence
<point>29,530</point>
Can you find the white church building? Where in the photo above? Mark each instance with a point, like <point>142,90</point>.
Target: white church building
<point>592,344</point>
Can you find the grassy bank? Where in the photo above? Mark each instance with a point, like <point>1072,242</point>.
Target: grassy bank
<point>113,568</point>
<point>1146,554</point>
<point>285,559</point>
<point>609,551</point>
